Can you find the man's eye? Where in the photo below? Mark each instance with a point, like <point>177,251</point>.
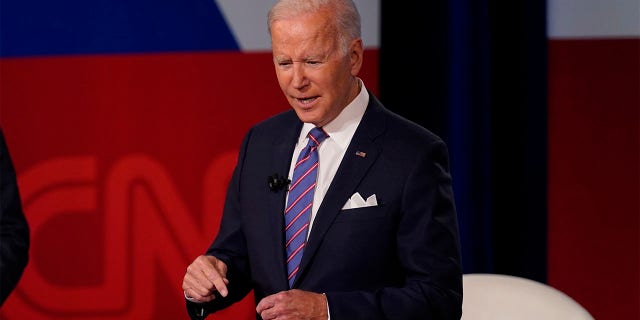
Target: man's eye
<point>313,62</point>
<point>284,63</point>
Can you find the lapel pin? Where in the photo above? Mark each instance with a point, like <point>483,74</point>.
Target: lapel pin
<point>361,154</point>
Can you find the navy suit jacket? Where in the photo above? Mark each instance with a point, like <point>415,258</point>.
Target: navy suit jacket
<point>397,260</point>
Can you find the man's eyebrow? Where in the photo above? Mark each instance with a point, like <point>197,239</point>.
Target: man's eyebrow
<point>305,59</point>
<point>281,58</point>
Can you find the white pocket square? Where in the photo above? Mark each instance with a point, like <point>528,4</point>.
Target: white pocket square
<point>356,201</point>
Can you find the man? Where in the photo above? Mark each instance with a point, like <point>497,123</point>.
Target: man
<point>381,241</point>
<point>14,230</point>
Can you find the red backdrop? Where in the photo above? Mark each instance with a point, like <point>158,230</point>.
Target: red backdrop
<point>594,174</point>
<point>122,163</point>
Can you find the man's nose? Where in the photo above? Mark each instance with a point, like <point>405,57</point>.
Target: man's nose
<point>300,79</point>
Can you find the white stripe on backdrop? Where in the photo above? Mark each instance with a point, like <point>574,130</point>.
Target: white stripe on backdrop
<point>593,19</point>
<point>248,22</point>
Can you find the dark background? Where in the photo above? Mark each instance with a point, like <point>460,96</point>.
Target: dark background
<point>474,72</point>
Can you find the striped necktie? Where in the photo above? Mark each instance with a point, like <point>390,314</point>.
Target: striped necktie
<point>298,211</point>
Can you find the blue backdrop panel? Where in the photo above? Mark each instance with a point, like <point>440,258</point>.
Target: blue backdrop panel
<point>30,27</point>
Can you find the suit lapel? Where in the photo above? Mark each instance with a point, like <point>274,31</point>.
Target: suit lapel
<point>352,169</point>
<point>281,160</point>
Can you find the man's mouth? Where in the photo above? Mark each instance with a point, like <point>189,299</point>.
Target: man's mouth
<point>307,100</point>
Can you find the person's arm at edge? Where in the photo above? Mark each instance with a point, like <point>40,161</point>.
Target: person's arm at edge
<point>15,242</point>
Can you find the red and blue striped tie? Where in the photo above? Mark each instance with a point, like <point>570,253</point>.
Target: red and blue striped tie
<point>297,214</point>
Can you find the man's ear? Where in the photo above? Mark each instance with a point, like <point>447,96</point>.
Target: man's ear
<point>355,55</point>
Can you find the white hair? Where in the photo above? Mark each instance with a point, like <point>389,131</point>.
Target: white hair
<point>346,16</point>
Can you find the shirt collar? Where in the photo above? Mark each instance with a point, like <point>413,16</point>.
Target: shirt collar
<point>342,128</point>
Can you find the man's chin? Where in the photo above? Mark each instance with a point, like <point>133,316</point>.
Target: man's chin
<point>307,116</point>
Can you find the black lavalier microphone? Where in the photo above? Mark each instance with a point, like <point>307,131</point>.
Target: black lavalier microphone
<point>276,182</point>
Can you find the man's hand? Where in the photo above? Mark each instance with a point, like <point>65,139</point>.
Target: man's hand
<point>205,276</point>
<point>294,305</point>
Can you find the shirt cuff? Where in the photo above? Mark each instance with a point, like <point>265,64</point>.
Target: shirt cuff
<point>190,298</point>
<point>328,313</point>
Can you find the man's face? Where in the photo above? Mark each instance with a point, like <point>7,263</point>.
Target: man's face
<point>317,78</point>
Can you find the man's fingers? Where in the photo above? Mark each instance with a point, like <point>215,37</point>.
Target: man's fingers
<point>197,288</point>
<point>218,281</point>
<point>204,276</point>
<point>293,304</point>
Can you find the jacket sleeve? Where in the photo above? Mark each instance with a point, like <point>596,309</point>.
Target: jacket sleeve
<point>229,246</point>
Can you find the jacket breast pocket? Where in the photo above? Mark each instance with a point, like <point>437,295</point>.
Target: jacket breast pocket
<point>362,214</point>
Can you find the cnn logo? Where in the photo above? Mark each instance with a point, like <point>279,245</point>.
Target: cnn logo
<point>114,244</point>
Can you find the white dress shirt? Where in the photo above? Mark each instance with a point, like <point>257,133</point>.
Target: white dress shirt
<point>332,149</point>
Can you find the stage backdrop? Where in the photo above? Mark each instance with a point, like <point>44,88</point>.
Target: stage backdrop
<point>594,147</point>
<point>123,119</point>
<point>539,102</point>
